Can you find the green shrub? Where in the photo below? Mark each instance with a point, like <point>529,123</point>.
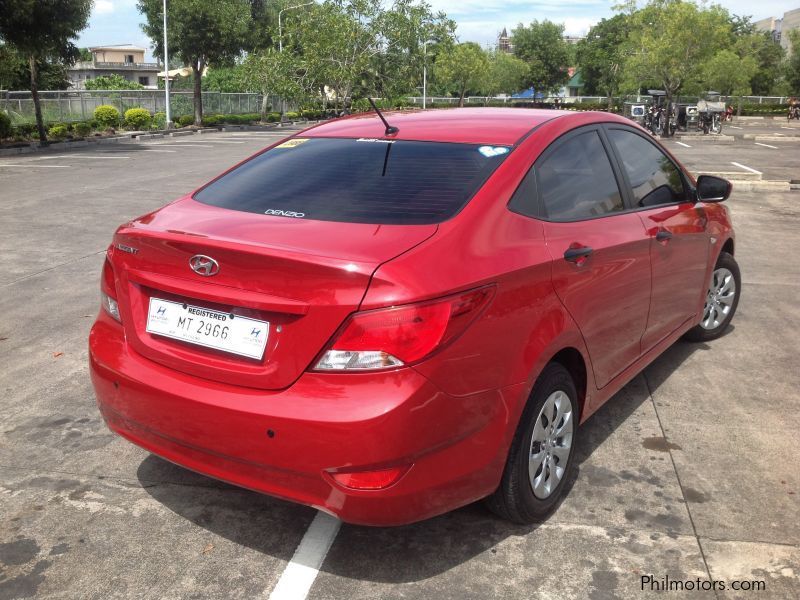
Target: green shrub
<point>159,120</point>
<point>57,132</point>
<point>5,125</point>
<point>138,118</point>
<point>82,128</point>
<point>25,130</point>
<point>107,115</point>
<point>292,115</point>
<point>273,117</point>
<point>185,120</point>
<point>212,120</point>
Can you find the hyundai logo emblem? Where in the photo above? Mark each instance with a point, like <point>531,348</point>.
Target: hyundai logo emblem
<point>204,265</point>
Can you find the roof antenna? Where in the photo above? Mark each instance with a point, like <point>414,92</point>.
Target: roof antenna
<point>390,129</point>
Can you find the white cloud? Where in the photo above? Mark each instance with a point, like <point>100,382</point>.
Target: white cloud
<point>103,7</point>
<point>578,25</point>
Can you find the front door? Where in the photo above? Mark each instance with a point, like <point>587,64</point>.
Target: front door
<point>679,243</point>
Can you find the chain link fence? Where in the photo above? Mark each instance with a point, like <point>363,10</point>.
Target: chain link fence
<point>481,100</point>
<point>79,105</point>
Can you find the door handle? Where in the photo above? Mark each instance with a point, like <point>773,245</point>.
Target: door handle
<point>575,254</point>
<point>663,235</point>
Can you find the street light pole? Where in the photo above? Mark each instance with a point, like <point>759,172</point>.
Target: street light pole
<point>424,73</point>
<point>166,70</point>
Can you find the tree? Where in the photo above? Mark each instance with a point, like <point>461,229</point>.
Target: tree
<point>276,73</point>
<point>463,68</point>
<point>730,74</point>
<point>670,42</point>
<point>406,27</point>
<point>793,63</point>
<point>543,47</point>
<point>112,82</point>
<point>601,55</point>
<point>202,33</point>
<point>15,72</point>
<point>769,55</point>
<point>506,73</point>
<point>338,40</point>
<point>43,31</point>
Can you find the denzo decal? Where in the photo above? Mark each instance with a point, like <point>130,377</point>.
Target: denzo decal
<point>284,213</point>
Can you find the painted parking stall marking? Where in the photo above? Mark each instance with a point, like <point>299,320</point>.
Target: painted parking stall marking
<point>302,570</point>
<point>746,168</point>
<point>684,145</point>
<point>766,145</point>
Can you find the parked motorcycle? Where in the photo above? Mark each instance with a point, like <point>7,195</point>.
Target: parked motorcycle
<point>710,115</point>
<point>794,109</point>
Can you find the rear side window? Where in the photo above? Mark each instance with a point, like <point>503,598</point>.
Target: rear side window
<point>654,177</point>
<point>357,181</point>
<point>576,180</point>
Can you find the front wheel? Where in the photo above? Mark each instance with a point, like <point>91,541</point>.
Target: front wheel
<point>540,458</point>
<point>722,298</point>
<point>716,125</point>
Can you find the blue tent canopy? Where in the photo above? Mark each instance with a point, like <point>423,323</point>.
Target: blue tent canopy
<point>529,94</point>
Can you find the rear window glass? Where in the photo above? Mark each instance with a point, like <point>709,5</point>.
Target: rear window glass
<point>357,181</point>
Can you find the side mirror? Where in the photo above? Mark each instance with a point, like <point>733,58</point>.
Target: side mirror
<point>713,189</point>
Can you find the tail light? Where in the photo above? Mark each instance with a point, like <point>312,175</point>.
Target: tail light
<point>401,335</point>
<point>108,291</point>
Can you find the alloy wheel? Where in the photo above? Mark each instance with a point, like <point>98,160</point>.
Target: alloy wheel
<point>719,299</point>
<point>550,444</point>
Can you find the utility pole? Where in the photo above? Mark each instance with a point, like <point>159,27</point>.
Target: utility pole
<point>166,70</point>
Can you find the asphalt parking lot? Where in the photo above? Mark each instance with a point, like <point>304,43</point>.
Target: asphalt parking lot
<point>690,472</point>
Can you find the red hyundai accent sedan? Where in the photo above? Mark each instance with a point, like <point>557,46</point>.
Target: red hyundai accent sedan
<point>387,325</point>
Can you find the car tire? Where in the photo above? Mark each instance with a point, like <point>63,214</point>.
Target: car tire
<point>722,298</point>
<point>522,497</point>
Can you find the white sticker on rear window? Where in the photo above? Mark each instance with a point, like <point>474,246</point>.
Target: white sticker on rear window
<point>375,141</point>
<point>490,151</point>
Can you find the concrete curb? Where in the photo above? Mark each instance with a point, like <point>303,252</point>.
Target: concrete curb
<point>733,175</point>
<point>761,186</point>
<point>705,139</point>
<point>777,138</point>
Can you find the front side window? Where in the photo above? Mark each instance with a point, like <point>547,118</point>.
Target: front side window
<point>576,180</point>
<point>654,178</point>
<point>357,181</point>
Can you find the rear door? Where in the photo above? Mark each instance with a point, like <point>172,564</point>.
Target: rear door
<point>676,226</point>
<point>601,262</point>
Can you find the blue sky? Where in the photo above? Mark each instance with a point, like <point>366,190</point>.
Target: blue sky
<point>117,21</point>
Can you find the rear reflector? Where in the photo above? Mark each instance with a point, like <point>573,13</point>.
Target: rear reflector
<point>370,480</point>
<point>401,335</point>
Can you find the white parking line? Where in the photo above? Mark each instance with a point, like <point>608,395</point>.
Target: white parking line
<point>734,127</point>
<point>784,127</point>
<point>181,145</point>
<point>766,145</point>
<point>222,142</point>
<point>746,168</point>
<point>90,156</point>
<point>29,165</point>
<point>154,150</point>
<point>684,145</point>
<point>300,573</point>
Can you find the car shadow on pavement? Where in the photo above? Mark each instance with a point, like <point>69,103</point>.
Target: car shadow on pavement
<point>388,555</point>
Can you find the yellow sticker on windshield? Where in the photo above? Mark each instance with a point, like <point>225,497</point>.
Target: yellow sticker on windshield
<point>292,143</point>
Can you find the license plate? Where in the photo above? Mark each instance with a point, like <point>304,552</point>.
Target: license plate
<point>209,328</point>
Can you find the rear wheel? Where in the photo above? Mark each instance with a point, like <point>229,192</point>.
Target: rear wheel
<point>540,458</point>
<point>722,298</point>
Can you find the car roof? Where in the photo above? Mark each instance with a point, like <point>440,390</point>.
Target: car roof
<point>502,126</point>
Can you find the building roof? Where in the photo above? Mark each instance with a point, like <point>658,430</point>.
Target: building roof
<point>504,126</point>
<point>576,80</point>
<point>121,47</point>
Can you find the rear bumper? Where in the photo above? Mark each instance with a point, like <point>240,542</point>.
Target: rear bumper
<point>456,446</point>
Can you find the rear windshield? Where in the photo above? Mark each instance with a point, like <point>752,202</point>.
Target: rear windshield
<point>357,181</point>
